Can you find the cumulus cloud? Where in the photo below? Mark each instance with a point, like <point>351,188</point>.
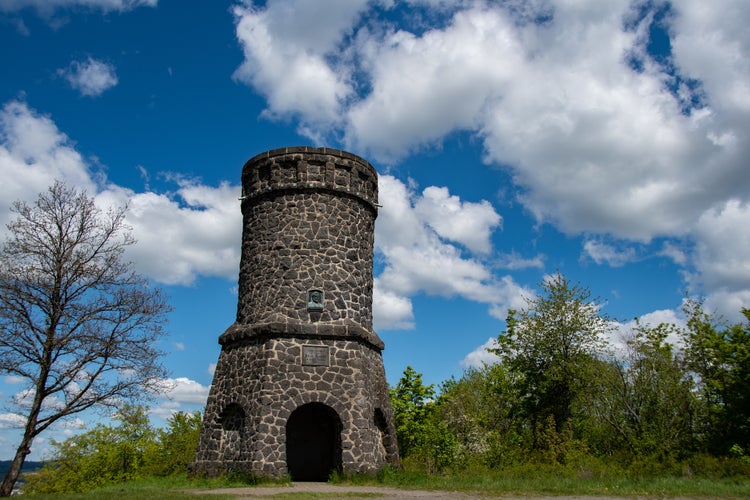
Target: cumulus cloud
<point>421,252</point>
<point>470,224</point>
<point>286,46</point>
<point>90,77</point>
<point>184,390</point>
<point>620,333</point>
<point>192,231</point>
<point>601,137</point>
<point>480,356</point>
<point>32,152</point>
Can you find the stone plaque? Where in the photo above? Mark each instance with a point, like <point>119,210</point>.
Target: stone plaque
<point>314,355</point>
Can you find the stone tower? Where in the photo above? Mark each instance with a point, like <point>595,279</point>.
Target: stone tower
<point>299,387</point>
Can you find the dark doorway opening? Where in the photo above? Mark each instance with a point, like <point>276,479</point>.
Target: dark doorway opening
<point>313,442</point>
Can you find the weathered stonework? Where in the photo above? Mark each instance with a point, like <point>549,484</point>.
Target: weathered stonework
<point>299,387</point>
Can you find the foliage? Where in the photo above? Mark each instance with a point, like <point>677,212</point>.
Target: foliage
<point>176,444</point>
<point>549,344</point>
<point>480,409</point>
<point>719,356</point>
<point>646,397</point>
<point>77,324</point>
<point>559,398</point>
<point>422,437</point>
<point>112,455</point>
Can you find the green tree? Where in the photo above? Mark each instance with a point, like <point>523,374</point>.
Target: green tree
<point>76,322</point>
<point>646,397</point>
<point>720,357</point>
<point>130,450</point>
<point>480,410</point>
<point>102,455</point>
<point>176,444</point>
<point>422,436</point>
<point>550,345</point>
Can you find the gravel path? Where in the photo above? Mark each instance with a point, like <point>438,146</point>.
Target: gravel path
<point>332,491</point>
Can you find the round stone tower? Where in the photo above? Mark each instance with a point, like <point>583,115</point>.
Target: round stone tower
<point>299,387</point>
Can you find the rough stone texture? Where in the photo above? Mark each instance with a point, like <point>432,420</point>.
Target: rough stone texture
<point>309,217</point>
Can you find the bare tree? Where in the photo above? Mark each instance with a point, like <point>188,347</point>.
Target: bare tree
<point>76,322</point>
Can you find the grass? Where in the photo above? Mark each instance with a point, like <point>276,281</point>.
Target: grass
<point>551,482</point>
<point>526,482</point>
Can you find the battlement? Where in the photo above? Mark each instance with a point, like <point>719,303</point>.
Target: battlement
<point>305,168</point>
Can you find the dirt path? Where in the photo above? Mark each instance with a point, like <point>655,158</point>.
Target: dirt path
<point>332,491</point>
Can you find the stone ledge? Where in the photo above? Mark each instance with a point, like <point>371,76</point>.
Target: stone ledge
<point>238,332</point>
<point>282,189</point>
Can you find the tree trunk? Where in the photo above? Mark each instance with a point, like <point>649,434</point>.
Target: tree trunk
<point>15,467</point>
<point>25,447</point>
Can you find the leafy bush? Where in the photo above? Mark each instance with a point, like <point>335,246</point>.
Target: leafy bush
<point>109,455</point>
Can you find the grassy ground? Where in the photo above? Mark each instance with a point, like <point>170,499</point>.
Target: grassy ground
<point>484,484</point>
<point>499,484</point>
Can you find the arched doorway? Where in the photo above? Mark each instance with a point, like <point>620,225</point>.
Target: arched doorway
<point>313,442</point>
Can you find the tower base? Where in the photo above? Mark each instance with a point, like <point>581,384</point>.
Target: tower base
<point>303,404</point>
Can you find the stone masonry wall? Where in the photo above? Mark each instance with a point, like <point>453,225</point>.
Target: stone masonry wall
<point>309,223</point>
<point>267,379</point>
<point>308,227</point>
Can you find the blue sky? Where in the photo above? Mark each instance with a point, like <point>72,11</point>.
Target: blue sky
<point>606,140</point>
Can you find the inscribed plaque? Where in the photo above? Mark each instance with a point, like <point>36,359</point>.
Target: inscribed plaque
<point>315,355</point>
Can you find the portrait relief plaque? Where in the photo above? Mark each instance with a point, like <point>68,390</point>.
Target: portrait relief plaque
<point>315,300</point>
<point>314,355</point>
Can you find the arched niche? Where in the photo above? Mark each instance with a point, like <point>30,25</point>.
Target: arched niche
<point>232,420</point>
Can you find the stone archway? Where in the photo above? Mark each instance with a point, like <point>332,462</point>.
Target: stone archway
<point>313,442</point>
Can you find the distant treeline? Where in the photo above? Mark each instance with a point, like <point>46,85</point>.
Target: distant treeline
<point>28,466</point>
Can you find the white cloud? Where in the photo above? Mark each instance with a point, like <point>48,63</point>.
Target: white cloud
<point>513,261</point>
<point>418,255</point>
<point>723,235</point>
<point>285,47</point>
<point>24,399</point>
<point>601,138</point>
<point>12,421</point>
<point>184,390</point>
<point>722,258</point>
<point>194,231</point>
<point>604,253</point>
<point>480,356</point>
<point>90,77</point>
<point>13,379</point>
<point>470,224</point>
<point>390,310</point>
<point>620,333</point>
<point>165,409</point>
<point>46,7</point>
<point>211,368</point>
<point>32,153</point>
<point>424,87</point>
